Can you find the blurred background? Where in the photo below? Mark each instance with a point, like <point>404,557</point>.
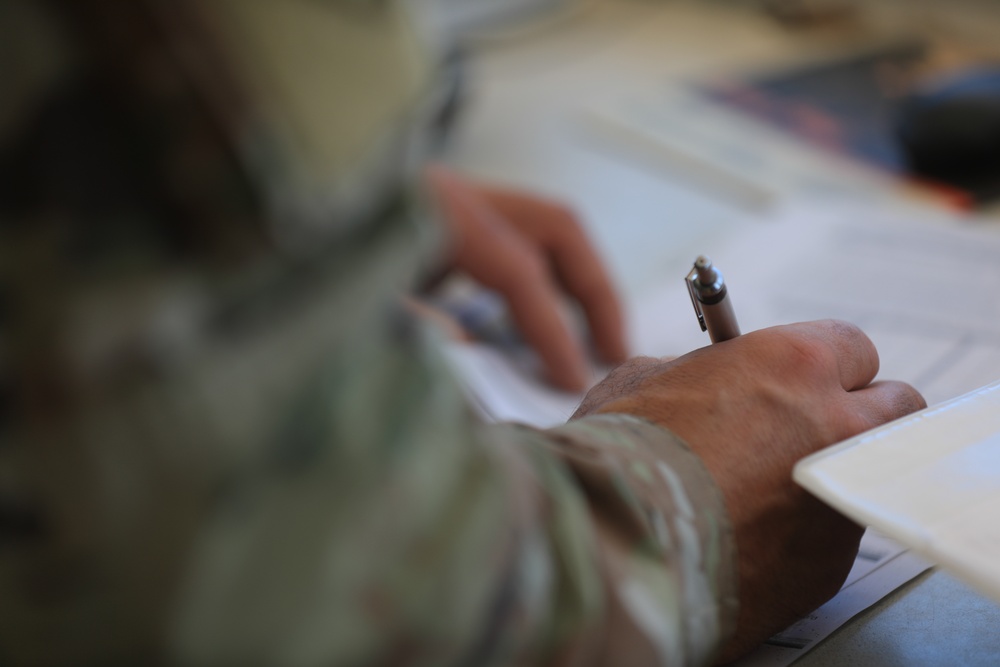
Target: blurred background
<point>671,124</point>
<point>908,90</point>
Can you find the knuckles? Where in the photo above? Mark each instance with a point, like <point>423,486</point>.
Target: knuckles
<point>807,357</point>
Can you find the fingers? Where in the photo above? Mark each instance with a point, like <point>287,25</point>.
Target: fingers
<point>853,352</point>
<point>558,232</point>
<point>584,278</point>
<point>535,306</point>
<point>884,401</point>
<point>856,354</point>
<point>526,248</point>
<point>497,256</point>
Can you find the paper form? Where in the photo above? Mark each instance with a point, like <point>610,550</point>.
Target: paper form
<point>926,292</point>
<point>503,390</point>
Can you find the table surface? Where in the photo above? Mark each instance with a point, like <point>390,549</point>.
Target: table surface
<point>521,125</point>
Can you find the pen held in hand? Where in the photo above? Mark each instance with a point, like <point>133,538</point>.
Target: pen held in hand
<point>711,301</point>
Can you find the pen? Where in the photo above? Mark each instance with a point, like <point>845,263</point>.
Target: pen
<point>711,301</point>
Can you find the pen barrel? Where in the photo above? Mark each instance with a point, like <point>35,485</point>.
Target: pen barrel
<point>709,296</point>
<point>720,320</point>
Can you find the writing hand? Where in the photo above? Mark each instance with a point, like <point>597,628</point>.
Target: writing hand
<point>751,407</point>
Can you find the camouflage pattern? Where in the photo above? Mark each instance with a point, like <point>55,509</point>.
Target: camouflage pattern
<point>221,443</point>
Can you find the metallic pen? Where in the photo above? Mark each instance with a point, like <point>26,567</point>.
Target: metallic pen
<point>711,301</point>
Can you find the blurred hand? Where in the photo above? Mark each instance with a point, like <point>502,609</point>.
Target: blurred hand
<point>533,252</point>
<point>750,408</point>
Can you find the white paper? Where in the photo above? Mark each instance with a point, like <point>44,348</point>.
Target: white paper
<point>507,387</point>
<point>926,293</point>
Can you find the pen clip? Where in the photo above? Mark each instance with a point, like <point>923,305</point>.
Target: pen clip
<point>689,279</point>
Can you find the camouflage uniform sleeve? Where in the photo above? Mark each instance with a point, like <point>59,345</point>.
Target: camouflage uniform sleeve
<point>657,540</point>
<point>409,534</point>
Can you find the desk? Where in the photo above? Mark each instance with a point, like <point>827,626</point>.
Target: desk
<point>521,128</point>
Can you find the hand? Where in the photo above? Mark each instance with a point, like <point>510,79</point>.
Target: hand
<point>530,250</point>
<point>750,408</point>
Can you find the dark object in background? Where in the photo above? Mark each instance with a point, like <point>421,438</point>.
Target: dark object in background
<point>949,129</point>
<point>856,105</point>
<point>812,14</point>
